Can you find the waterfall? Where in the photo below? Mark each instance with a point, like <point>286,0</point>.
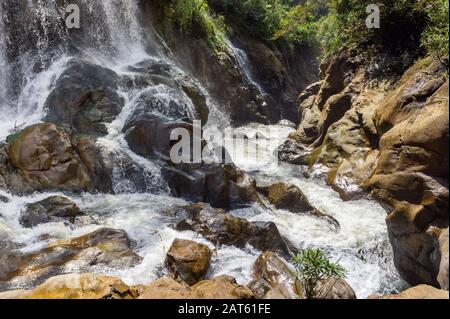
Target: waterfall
<point>245,66</point>
<point>35,50</point>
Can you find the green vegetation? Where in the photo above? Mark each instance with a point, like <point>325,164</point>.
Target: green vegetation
<point>313,266</point>
<point>435,37</point>
<point>194,16</point>
<point>329,25</point>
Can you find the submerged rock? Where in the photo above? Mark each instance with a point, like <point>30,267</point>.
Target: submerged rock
<point>188,260</point>
<point>223,287</point>
<point>221,185</point>
<point>291,198</point>
<point>273,278</point>
<point>222,228</point>
<point>51,209</point>
<point>107,247</point>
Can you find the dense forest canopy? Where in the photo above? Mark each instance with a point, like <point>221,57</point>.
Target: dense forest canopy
<point>325,25</point>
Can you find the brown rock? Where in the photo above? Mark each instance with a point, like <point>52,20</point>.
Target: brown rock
<point>222,228</point>
<point>44,155</point>
<point>290,197</point>
<point>76,286</point>
<point>102,247</point>
<point>274,279</point>
<point>334,289</point>
<point>51,209</point>
<point>419,292</point>
<point>188,260</point>
<point>221,185</point>
<point>223,287</point>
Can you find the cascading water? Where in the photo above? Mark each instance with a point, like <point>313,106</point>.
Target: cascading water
<point>113,37</point>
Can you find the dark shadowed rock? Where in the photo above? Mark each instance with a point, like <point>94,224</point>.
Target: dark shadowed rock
<point>221,185</point>
<point>150,136</point>
<point>222,228</point>
<point>53,209</point>
<point>85,98</point>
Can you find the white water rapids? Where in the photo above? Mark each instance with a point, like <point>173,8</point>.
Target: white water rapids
<point>361,245</point>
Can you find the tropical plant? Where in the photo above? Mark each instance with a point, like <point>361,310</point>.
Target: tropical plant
<point>313,266</point>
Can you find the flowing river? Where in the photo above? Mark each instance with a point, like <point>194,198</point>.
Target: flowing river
<point>361,245</point>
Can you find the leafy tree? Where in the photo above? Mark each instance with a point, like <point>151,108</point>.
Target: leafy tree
<point>312,267</point>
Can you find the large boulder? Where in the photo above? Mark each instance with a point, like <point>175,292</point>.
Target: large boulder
<point>103,247</point>
<point>51,209</point>
<point>150,135</point>
<point>221,185</point>
<point>273,278</point>
<point>188,260</point>
<point>223,287</point>
<point>85,98</point>
<point>76,286</point>
<point>167,91</point>
<point>45,157</point>
<point>222,228</point>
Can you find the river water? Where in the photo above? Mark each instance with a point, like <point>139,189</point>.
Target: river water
<point>361,245</point>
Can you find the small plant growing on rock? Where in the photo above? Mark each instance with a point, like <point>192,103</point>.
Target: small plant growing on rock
<point>313,266</point>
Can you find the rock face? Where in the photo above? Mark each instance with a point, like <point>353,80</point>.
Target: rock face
<point>222,228</point>
<point>389,136</point>
<point>51,209</point>
<point>105,246</point>
<point>418,292</point>
<point>223,287</point>
<point>274,279</point>
<point>282,74</point>
<point>85,98</point>
<point>43,157</point>
<point>221,185</point>
<point>188,260</point>
<point>290,197</point>
<point>76,286</point>
<point>412,172</point>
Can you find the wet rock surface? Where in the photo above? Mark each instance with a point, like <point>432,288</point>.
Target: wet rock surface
<point>51,209</point>
<point>222,228</point>
<point>221,185</point>
<point>103,247</point>
<point>85,98</point>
